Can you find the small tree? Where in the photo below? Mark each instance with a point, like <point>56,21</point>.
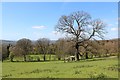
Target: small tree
<point>4,51</point>
<point>52,50</point>
<point>8,51</point>
<point>24,46</point>
<point>60,44</point>
<point>11,56</point>
<point>43,46</point>
<point>12,53</point>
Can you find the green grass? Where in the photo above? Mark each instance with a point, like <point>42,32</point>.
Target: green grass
<point>53,57</point>
<point>58,69</point>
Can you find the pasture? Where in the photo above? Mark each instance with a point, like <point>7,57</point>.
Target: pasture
<point>91,68</point>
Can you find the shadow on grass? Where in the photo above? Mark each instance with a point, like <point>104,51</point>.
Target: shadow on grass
<point>35,61</point>
<point>83,60</point>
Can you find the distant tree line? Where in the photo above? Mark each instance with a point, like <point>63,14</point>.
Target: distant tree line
<point>61,48</point>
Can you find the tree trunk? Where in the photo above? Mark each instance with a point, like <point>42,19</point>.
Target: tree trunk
<point>11,59</point>
<point>86,55</point>
<point>25,58</point>
<point>50,57</point>
<point>59,58</point>
<point>44,58</point>
<point>77,51</point>
<point>107,52</point>
<point>8,52</point>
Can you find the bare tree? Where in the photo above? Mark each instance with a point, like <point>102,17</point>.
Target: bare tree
<point>4,51</point>
<point>12,50</point>
<point>65,47</point>
<point>52,50</point>
<point>24,47</point>
<point>60,48</point>
<point>81,27</point>
<point>43,46</point>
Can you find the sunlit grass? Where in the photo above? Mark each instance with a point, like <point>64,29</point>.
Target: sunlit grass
<point>58,69</point>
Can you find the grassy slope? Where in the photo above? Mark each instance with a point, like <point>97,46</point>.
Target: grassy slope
<point>59,69</point>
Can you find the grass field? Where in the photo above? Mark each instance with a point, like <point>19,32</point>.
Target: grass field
<point>99,67</point>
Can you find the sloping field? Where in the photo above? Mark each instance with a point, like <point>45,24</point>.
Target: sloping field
<point>99,67</point>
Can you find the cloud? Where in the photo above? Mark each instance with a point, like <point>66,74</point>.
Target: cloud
<point>39,27</point>
<point>37,35</point>
<point>56,35</point>
<point>55,32</point>
<point>110,25</point>
<point>90,26</point>
<point>114,29</point>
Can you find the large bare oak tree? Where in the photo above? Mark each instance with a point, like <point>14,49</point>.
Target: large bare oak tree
<point>80,25</point>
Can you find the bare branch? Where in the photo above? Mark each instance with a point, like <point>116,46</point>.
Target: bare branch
<point>86,29</point>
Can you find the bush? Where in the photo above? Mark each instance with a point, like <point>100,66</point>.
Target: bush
<point>77,72</point>
<point>38,59</point>
<point>113,54</point>
<point>4,52</point>
<point>100,76</point>
<point>11,56</point>
<point>30,58</point>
